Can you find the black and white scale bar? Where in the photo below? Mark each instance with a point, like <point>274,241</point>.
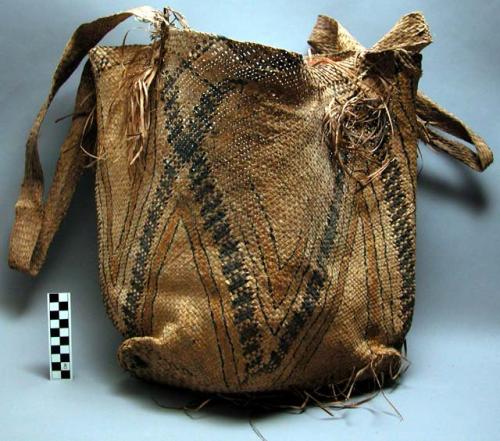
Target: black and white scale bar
<point>59,320</point>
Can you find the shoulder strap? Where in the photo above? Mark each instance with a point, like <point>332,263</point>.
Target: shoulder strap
<point>411,33</point>
<point>36,221</point>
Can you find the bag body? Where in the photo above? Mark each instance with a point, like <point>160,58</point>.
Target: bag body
<point>256,207</point>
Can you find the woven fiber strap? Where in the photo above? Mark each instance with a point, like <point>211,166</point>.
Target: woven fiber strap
<point>36,221</point>
<point>411,33</point>
<point>432,116</point>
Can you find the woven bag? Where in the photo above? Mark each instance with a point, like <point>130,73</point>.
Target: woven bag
<point>256,207</point>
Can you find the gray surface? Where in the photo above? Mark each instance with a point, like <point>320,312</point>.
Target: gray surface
<point>451,389</point>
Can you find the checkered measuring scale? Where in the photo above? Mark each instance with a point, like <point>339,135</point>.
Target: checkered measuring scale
<point>59,315</point>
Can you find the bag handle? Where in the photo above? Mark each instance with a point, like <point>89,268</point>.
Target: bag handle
<point>36,221</point>
<point>411,33</point>
<point>431,116</point>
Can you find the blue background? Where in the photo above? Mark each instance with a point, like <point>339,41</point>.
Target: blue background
<point>451,390</point>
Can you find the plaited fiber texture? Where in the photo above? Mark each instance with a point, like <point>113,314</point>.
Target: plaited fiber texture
<point>256,207</point>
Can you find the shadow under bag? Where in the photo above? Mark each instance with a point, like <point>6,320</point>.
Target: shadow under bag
<point>256,207</point>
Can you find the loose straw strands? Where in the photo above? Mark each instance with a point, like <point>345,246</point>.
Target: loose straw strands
<point>356,130</point>
<point>356,127</point>
<point>136,87</point>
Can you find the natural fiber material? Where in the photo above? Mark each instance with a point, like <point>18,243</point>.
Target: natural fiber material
<point>256,207</point>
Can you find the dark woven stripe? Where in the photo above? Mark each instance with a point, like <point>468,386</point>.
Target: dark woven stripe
<point>161,195</point>
<point>186,140</point>
<point>142,257</point>
<point>404,233</point>
<point>317,279</point>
